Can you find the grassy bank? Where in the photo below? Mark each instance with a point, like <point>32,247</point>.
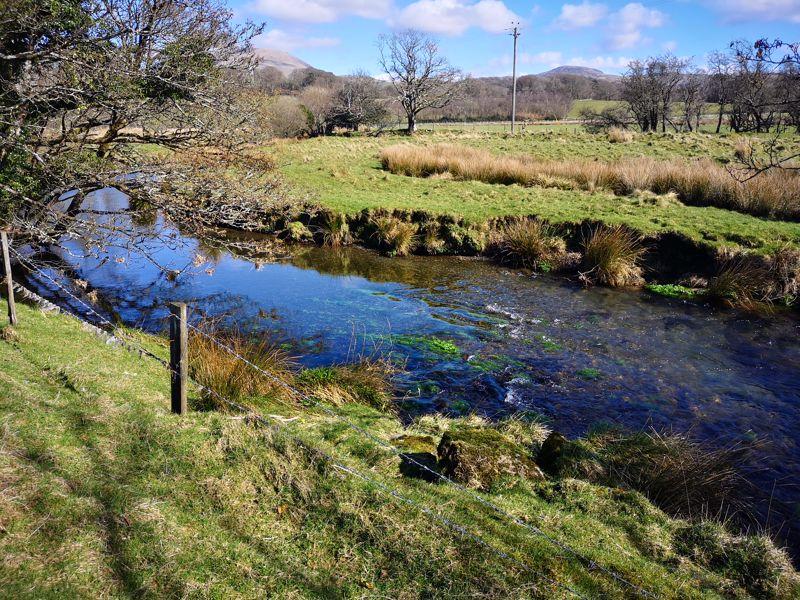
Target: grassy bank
<point>346,174</point>
<point>106,494</point>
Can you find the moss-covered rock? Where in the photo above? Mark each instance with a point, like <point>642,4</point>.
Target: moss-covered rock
<point>480,457</point>
<point>297,232</point>
<point>419,458</point>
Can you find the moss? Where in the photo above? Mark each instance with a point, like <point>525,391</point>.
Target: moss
<point>297,232</point>
<point>480,457</point>
<point>752,561</point>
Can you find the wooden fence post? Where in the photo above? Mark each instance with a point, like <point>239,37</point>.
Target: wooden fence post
<point>12,309</point>
<point>178,355</point>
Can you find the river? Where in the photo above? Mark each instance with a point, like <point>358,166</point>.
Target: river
<point>512,341</point>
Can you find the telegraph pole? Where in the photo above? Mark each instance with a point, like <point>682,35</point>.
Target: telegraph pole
<point>515,34</point>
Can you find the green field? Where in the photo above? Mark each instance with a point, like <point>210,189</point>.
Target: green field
<point>106,494</point>
<point>345,174</point>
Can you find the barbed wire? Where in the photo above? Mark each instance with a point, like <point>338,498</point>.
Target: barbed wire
<point>275,425</point>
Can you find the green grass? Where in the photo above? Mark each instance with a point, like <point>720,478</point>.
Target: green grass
<point>104,493</point>
<point>345,174</point>
<point>579,106</point>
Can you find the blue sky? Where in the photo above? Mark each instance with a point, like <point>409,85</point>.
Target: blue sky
<point>341,35</point>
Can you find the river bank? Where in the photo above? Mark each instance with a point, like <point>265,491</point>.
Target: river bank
<point>96,457</point>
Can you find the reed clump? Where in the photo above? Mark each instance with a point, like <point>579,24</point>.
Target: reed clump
<point>218,369</point>
<point>703,182</point>
<point>611,257</point>
<point>394,235</point>
<point>334,230</point>
<point>531,244</point>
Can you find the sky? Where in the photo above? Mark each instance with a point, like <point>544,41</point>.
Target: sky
<point>341,35</point>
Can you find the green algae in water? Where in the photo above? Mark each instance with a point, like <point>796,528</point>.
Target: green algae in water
<point>589,373</point>
<point>671,290</point>
<point>549,344</point>
<point>494,363</point>
<point>431,344</point>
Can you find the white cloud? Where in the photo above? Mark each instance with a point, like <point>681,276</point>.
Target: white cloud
<point>288,42</point>
<point>670,46</point>
<point>737,11</point>
<point>321,11</point>
<point>551,59</point>
<point>454,17</point>
<point>576,16</point>
<point>611,63</point>
<point>626,25</point>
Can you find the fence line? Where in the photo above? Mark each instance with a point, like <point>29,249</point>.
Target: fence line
<point>275,425</point>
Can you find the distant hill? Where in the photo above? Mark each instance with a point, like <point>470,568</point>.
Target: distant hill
<point>283,61</point>
<point>581,71</point>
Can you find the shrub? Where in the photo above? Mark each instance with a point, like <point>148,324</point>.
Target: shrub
<point>531,244</point>
<point>394,235</point>
<point>611,256</point>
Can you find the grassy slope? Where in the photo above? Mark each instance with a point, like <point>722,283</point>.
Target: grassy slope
<point>345,173</point>
<point>103,493</point>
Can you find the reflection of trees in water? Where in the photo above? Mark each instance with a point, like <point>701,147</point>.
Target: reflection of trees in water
<point>416,272</point>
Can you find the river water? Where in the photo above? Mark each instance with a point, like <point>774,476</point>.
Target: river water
<point>577,357</point>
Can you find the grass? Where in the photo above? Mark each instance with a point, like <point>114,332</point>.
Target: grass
<point>611,257</point>
<point>531,244</point>
<point>699,182</point>
<point>346,175</point>
<point>106,494</point>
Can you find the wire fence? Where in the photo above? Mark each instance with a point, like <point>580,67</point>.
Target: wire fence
<point>126,340</point>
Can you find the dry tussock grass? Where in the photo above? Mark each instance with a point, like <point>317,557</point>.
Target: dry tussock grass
<point>611,256</point>
<point>617,135</point>
<point>531,244</point>
<point>221,371</point>
<point>701,182</point>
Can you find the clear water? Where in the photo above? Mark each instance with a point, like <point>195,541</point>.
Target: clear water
<point>578,357</point>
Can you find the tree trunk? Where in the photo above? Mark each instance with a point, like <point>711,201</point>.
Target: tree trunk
<point>412,123</point>
<point>719,118</point>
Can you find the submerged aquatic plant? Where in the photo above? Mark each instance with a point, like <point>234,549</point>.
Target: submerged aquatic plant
<point>430,344</point>
<point>611,256</point>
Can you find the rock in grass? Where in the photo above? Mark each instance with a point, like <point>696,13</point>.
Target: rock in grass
<point>479,457</point>
<point>560,457</point>
<point>419,458</point>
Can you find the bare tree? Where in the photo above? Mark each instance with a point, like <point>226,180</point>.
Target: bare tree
<point>648,88</point>
<point>357,102</point>
<point>83,81</point>
<point>317,100</point>
<point>720,82</point>
<point>420,75</point>
<point>690,92</point>
<point>772,68</point>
